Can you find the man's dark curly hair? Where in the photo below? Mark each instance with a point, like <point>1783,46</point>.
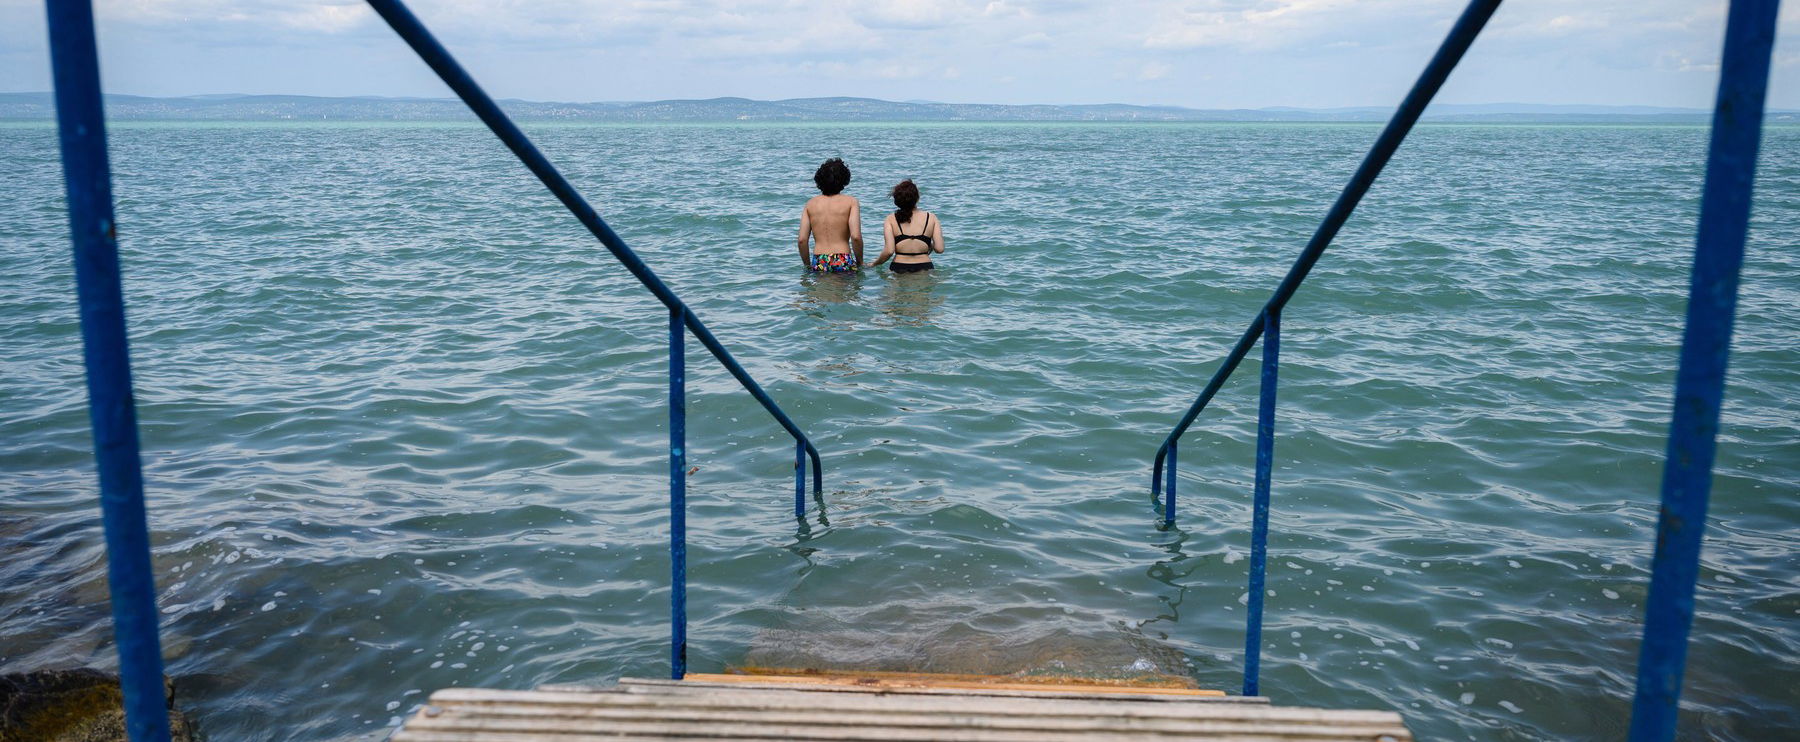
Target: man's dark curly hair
<point>832,176</point>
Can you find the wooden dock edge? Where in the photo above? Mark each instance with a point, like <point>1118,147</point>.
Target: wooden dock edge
<point>897,681</point>
<point>826,707</point>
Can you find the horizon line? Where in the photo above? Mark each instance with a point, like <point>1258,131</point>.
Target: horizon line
<point>1291,107</point>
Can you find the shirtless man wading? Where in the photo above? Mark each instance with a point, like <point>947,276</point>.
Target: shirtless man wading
<point>833,222</point>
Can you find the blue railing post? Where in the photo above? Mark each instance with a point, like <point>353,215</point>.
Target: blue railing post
<point>112,410</point>
<point>677,494</point>
<point>1700,379</point>
<point>1259,528</point>
<point>1169,486</point>
<point>799,479</point>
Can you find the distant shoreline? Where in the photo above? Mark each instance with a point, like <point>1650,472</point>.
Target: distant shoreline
<point>294,108</point>
<point>472,123</point>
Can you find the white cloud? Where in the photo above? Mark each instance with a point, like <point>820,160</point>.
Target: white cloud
<point>1003,8</point>
<point>1271,24</point>
<point>1576,22</point>
<point>327,18</point>
<point>1248,52</point>
<point>911,14</point>
<point>1605,20</point>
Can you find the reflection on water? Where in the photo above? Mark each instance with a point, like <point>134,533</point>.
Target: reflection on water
<point>908,299</point>
<point>1170,572</point>
<point>820,291</point>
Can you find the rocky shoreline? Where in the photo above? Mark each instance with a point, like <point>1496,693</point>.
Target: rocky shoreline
<point>80,705</point>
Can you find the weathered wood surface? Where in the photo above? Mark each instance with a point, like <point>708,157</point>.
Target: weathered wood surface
<point>892,681</point>
<point>758,708</point>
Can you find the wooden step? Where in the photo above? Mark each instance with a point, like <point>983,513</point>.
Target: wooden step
<point>1157,684</point>
<point>879,706</point>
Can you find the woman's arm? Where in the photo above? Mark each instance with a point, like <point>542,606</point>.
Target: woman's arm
<point>887,241</point>
<point>937,235</point>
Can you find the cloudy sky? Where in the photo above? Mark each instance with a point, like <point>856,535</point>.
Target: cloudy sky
<point>1199,53</point>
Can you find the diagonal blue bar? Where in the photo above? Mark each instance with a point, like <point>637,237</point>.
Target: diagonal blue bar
<point>1700,380</point>
<point>1461,36</point>
<point>438,58</point>
<point>1259,527</point>
<point>112,410</point>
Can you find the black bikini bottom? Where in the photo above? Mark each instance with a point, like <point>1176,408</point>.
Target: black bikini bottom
<point>909,267</point>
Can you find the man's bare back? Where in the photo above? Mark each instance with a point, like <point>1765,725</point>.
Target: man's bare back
<point>831,223</point>
<point>835,224</point>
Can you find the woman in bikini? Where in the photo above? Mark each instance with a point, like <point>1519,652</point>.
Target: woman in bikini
<point>909,236</point>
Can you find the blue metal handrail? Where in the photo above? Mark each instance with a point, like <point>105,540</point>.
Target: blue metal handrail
<point>112,410</point>
<point>1267,322</point>
<point>1448,54</point>
<point>1700,377</point>
<point>438,58</point>
<point>81,122</point>
<point>1725,209</point>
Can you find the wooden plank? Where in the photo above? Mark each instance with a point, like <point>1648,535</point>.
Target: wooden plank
<point>1141,680</point>
<point>943,718</point>
<point>673,687</point>
<point>822,732</point>
<point>783,699</point>
<point>887,710</point>
<point>908,680</point>
<point>590,736</point>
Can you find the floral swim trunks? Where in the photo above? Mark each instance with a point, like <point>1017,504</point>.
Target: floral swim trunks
<point>833,263</point>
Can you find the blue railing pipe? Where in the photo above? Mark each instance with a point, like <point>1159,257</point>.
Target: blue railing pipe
<point>677,494</point>
<point>749,384</point>
<point>1700,379</point>
<point>112,410</point>
<point>404,23</point>
<point>1259,528</point>
<point>1461,35</point>
<point>1169,486</point>
<point>799,480</point>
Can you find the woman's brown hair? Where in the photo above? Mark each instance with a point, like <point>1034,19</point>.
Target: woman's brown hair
<point>906,196</point>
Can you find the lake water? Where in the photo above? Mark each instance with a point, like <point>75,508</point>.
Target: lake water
<point>403,419</point>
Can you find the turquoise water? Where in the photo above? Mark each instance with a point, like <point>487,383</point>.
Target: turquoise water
<point>403,419</point>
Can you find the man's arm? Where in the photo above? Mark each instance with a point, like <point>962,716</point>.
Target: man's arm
<point>856,240</point>
<point>805,237</point>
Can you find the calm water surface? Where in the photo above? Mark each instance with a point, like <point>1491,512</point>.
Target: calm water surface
<point>403,419</point>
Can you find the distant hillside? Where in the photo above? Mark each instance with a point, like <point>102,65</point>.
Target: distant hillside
<point>38,106</point>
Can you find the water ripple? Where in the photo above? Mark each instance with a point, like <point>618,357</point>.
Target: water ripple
<point>403,419</point>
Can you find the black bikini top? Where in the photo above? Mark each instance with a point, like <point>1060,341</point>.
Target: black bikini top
<point>924,236</point>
